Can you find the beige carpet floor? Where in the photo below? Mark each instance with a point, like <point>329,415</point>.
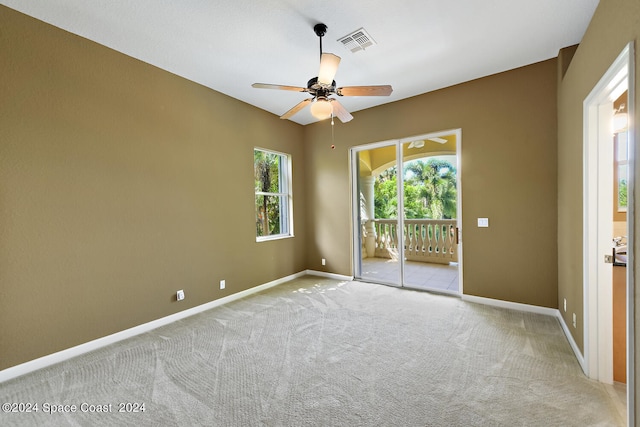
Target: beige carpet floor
<point>320,352</point>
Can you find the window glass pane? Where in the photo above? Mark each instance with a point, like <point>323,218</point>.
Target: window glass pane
<point>269,220</point>
<point>267,168</point>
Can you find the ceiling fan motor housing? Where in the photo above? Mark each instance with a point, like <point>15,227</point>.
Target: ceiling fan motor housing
<point>316,88</point>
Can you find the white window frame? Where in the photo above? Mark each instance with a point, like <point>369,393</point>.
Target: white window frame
<point>285,194</point>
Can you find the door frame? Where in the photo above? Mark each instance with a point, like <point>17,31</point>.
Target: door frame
<point>598,161</point>
<point>355,198</point>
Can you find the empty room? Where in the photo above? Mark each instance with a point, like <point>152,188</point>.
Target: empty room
<point>439,232</point>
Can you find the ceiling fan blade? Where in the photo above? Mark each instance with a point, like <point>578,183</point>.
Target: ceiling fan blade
<point>438,140</point>
<point>279,87</point>
<point>384,90</point>
<point>295,109</point>
<point>340,112</point>
<point>328,68</point>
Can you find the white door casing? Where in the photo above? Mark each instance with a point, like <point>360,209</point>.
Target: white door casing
<point>598,224</point>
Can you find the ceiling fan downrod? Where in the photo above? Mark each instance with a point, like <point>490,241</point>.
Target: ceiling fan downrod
<point>320,30</point>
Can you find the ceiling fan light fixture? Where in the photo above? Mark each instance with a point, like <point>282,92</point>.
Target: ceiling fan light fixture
<point>321,109</point>
<point>328,68</point>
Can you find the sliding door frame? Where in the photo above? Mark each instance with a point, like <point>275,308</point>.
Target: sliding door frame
<point>355,200</point>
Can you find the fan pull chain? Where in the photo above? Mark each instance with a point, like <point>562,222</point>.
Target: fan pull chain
<point>332,135</point>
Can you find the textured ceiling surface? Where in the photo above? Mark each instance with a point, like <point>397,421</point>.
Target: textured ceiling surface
<point>421,45</point>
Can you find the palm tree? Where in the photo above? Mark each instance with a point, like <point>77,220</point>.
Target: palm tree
<point>438,189</point>
<point>430,190</point>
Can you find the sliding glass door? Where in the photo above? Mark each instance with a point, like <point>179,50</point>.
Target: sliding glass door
<point>406,205</point>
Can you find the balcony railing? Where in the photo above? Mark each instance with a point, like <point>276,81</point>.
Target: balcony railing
<point>425,240</point>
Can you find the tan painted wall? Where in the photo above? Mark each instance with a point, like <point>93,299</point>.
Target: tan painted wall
<point>119,184</point>
<point>508,174</point>
<point>612,27</point>
<point>614,24</point>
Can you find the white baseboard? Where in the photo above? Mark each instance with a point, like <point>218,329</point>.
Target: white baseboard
<point>329,275</point>
<point>572,342</point>
<point>510,305</point>
<point>60,356</point>
<point>533,309</point>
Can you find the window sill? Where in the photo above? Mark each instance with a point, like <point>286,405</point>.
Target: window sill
<point>275,237</point>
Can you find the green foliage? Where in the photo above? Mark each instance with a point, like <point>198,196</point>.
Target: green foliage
<point>622,193</point>
<point>266,171</point>
<point>385,190</point>
<point>430,190</point>
<point>414,206</point>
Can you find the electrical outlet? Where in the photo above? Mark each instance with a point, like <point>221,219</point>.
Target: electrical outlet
<point>565,305</point>
<point>324,261</point>
<point>180,295</point>
<point>223,284</point>
<point>574,320</point>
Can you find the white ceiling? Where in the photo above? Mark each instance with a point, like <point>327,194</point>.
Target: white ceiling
<point>422,45</point>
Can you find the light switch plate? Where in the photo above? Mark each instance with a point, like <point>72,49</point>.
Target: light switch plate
<point>483,222</point>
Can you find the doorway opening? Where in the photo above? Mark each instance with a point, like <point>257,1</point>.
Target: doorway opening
<point>406,212</point>
<point>608,228</point>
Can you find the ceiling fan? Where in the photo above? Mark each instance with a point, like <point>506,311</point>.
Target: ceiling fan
<point>322,87</point>
<point>420,142</point>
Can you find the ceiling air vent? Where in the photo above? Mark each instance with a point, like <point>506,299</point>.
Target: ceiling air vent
<point>358,40</point>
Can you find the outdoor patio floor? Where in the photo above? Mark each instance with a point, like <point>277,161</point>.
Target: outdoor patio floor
<point>418,275</point>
